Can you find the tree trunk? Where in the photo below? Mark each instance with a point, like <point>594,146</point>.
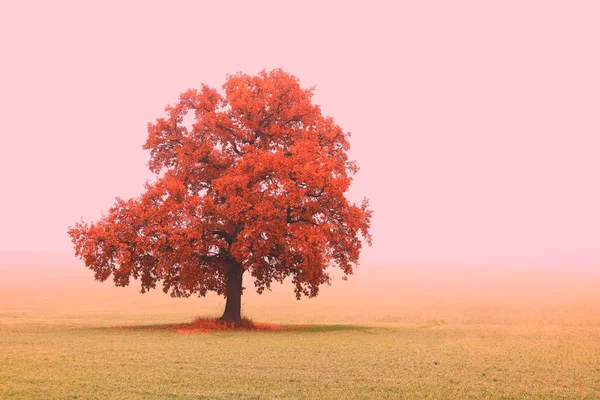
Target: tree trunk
<point>233,306</point>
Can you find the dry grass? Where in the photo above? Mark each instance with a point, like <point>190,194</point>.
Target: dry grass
<point>410,334</point>
<point>207,324</point>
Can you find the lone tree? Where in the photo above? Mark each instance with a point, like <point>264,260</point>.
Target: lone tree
<point>255,185</point>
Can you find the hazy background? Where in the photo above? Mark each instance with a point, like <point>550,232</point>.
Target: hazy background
<point>475,126</point>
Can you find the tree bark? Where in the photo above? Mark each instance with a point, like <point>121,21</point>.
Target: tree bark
<point>233,305</point>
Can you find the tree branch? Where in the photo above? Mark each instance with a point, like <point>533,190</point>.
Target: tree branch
<point>293,220</point>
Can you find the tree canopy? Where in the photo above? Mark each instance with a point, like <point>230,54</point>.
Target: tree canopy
<point>256,184</point>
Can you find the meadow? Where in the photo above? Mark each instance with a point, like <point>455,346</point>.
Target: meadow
<point>388,333</point>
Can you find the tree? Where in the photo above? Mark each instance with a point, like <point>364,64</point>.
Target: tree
<point>255,185</point>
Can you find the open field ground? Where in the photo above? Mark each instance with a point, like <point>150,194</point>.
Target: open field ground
<point>436,333</point>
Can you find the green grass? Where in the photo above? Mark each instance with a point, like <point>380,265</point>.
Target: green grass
<point>62,359</point>
<point>327,328</point>
<point>403,334</point>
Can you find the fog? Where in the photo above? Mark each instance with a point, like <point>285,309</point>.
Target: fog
<point>51,285</point>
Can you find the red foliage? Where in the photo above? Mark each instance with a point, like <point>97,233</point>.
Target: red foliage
<point>258,181</point>
<point>215,325</point>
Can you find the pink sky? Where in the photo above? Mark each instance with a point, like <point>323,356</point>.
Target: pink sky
<point>476,125</point>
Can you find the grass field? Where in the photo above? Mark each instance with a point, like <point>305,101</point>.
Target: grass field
<point>432,334</point>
